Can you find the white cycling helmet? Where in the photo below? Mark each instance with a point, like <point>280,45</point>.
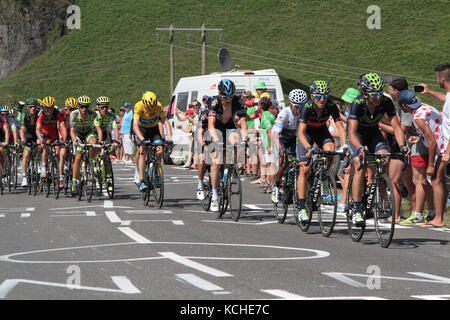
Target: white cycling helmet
<point>298,96</point>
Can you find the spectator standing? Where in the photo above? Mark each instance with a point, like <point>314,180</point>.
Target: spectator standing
<point>428,123</point>
<point>127,133</point>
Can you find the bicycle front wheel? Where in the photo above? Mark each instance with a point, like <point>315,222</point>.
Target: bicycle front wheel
<point>88,183</point>
<point>207,189</point>
<point>384,209</point>
<point>109,178</point>
<point>158,185</point>
<point>281,208</point>
<point>327,205</point>
<point>234,185</point>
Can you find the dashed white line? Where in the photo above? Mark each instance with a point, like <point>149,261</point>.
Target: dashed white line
<point>195,265</point>
<point>134,235</point>
<point>198,282</point>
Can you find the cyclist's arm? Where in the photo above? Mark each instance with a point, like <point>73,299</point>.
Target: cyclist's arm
<point>136,129</point>
<point>341,131</point>
<point>38,131</point>
<point>63,127</point>
<point>6,131</point>
<point>301,135</point>
<point>22,133</point>
<point>243,124</point>
<point>212,128</point>
<point>99,133</point>
<point>352,137</point>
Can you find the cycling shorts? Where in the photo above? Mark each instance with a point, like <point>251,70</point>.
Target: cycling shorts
<point>374,142</point>
<point>320,136</point>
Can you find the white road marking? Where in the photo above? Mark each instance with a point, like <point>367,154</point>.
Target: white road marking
<point>195,265</point>
<point>198,282</point>
<point>90,213</point>
<point>125,286</point>
<point>25,215</point>
<point>134,235</point>
<point>112,217</point>
<point>148,211</point>
<point>108,204</point>
<point>290,296</point>
<point>242,223</point>
<point>433,297</point>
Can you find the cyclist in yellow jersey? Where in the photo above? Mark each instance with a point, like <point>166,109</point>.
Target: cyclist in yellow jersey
<point>148,120</point>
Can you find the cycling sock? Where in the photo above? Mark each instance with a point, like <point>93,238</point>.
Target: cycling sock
<point>200,183</point>
<point>357,206</point>
<point>214,194</point>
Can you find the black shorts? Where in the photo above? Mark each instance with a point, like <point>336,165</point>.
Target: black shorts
<point>150,134</point>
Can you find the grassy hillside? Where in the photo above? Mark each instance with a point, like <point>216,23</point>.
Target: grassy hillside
<point>116,52</point>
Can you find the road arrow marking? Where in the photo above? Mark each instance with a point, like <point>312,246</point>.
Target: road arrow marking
<point>125,286</point>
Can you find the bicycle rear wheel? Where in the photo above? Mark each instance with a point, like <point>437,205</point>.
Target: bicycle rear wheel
<point>327,205</point>
<point>223,199</point>
<point>356,233</point>
<point>15,170</point>
<point>36,176</point>
<point>7,167</point>
<point>234,193</point>
<point>384,209</point>
<point>55,178</point>
<point>281,208</point>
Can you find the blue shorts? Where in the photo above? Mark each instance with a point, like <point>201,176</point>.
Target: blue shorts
<point>319,136</point>
<point>373,140</point>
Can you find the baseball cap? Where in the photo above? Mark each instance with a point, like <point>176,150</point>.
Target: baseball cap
<point>260,85</point>
<point>350,95</point>
<point>408,98</point>
<point>189,112</point>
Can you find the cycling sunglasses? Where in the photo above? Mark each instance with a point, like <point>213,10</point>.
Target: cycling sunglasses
<point>375,94</point>
<point>320,96</point>
<point>227,97</point>
<point>297,106</point>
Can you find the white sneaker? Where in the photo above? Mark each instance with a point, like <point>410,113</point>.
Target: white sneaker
<point>24,182</point>
<point>200,194</point>
<point>215,205</point>
<point>275,194</point>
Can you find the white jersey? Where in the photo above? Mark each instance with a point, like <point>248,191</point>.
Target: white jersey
<point>446,117</point>
<point>286,123</point>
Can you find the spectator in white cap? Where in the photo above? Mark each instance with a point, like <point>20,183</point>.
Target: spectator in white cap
<point>428,123</point>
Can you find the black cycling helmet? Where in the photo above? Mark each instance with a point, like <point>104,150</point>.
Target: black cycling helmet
<point>226,87</point>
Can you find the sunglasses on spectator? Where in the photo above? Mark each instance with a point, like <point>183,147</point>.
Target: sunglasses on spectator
<point>320,96</point>
<point>375,94</point>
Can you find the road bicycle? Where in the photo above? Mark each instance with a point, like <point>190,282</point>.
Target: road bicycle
<point>103,171</point>
<point>86,182</point>
<point>68,169</point>
<point>207,189</point>
<point>52,180</point>
<point>322,193</point>
<point>230,185</point>
<point>287,190</point>
<point>153,173</point>
<point>5,170</point>
<point>377,201</point>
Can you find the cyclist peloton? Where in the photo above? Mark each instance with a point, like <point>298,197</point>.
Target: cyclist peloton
<point>13,124</point>
<point>284,133</point>
<point>82,130</point>
<point>148,121</point>
<point>4,137</point>
<point>28,134</point>
<point>366,112</point>
<point>47,123</point>
<point>222,128</point>
<point>312,130</point>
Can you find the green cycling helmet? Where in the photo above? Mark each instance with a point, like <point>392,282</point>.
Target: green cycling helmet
<point>319,87</point>
<point>371,82</point>
<point>32,102</point>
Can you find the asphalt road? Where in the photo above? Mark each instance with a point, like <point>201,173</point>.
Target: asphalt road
<point>106,250</point>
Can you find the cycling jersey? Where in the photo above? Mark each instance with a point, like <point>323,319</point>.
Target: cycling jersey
<point>309,116</point>
<point>368,122</point>
<point>105,121</point>
<point>287,123</point>
<point>148,118</point>
<point>3,126</point>
<point>216,110</point>
<point>29,123</point>
<point>83,128</point>
<point>49,125</point>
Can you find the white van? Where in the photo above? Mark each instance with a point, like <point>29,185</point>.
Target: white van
<point>194,88</point>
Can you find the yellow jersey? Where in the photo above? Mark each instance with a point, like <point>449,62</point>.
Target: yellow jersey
<point>148,118</point>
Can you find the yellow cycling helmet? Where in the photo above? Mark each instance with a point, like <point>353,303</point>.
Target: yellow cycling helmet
<point>149,99</point>
<point>71,103</point>
<point>84,101</point>
<point>48,102</point>
<point>103,101</point>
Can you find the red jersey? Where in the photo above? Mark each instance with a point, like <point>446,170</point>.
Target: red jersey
<point>49,126</point>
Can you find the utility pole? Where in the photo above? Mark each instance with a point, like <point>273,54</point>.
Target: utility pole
<point>171,29</point>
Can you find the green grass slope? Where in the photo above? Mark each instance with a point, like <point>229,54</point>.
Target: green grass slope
<point>116,52</point>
